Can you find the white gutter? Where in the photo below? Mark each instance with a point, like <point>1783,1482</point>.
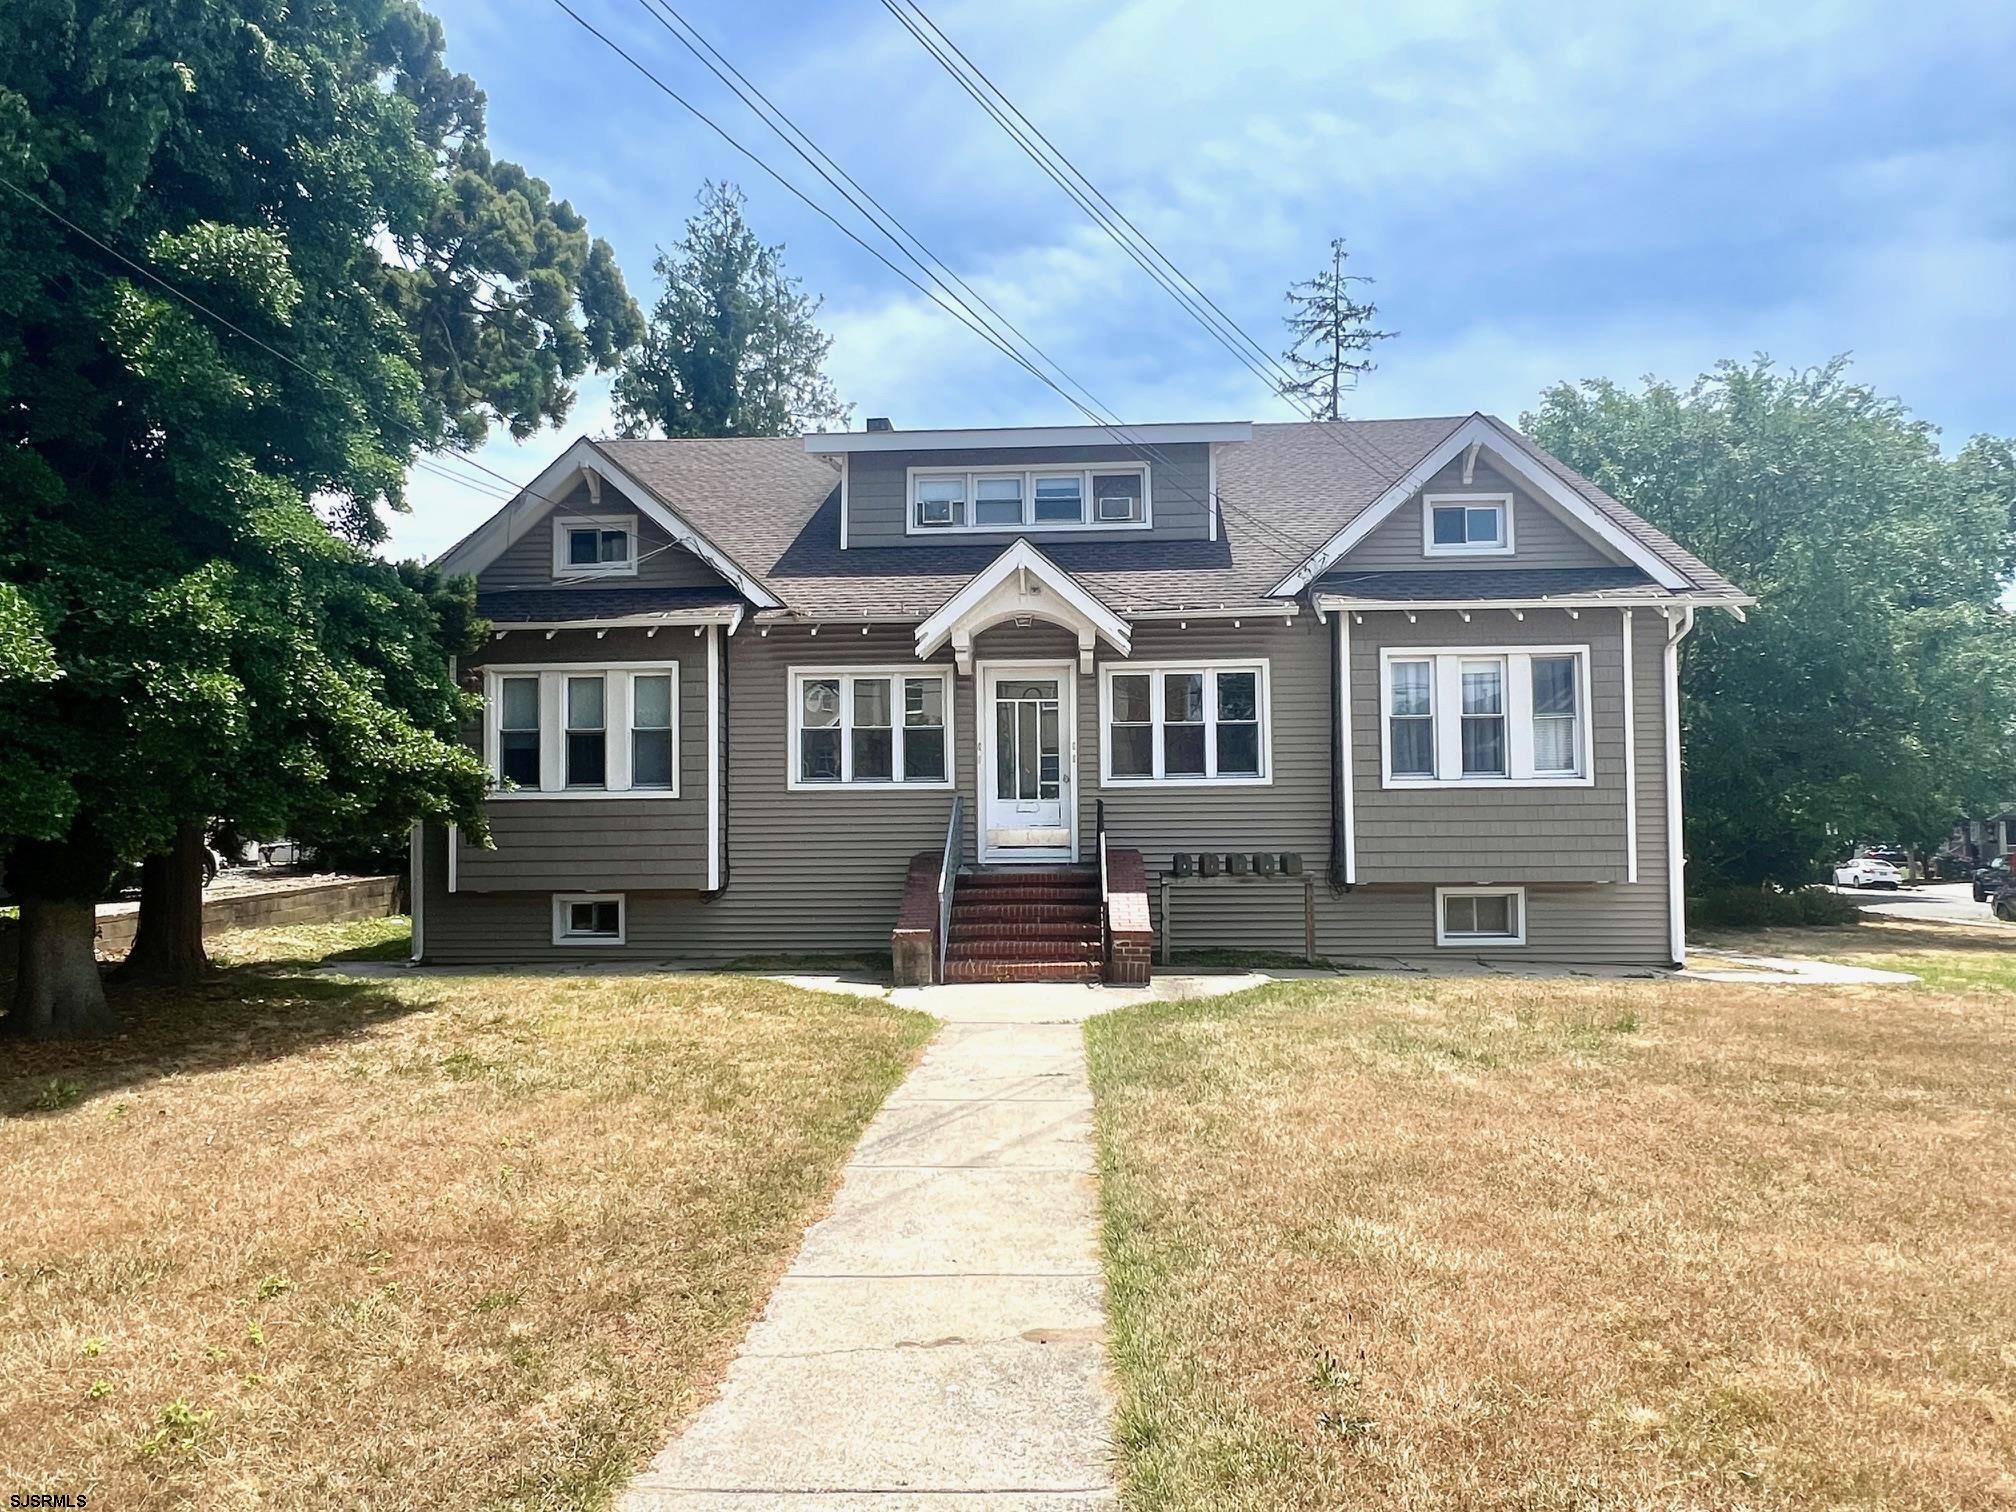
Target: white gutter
<point>1565,601</point>
<point>839,443</point>
<point>1676,856</point>
<point>727,614</point>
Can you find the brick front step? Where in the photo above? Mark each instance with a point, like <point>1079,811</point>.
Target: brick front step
<point>1071,929</point>
<point>964,912</point>
<point>995,897</point>
<point>1075,876</point>
<point>1022,971</point>
<point>1022,950</point>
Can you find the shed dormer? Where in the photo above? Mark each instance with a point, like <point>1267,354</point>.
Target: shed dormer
<point>1051,483</point>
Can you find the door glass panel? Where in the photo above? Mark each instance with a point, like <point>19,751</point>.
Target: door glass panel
<point>1025,750</point>
<point>1004,749</point>
<point>1050,769</point>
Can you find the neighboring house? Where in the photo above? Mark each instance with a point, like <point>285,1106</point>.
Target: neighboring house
<point>736,687</point>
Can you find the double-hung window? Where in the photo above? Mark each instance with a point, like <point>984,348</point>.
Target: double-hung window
<point>594,545</point>
<point>1466,525</point>
<point>1459,716</point>
<point>869,727</point>
<point>1184,724</point>
<point>568,731</point>
<point>1111,497</point>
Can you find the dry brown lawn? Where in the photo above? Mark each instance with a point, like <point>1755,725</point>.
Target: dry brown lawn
<point>1499,1243</point>
<point>305,1242</point>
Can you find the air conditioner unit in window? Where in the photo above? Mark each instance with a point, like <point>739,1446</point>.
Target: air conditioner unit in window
<point>1116,507</point>
<point>934,512</point>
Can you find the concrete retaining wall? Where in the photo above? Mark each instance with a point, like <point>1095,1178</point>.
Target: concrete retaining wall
<point>331,902</point>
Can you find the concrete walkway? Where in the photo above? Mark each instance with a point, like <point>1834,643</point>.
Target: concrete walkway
<point>939,1340</point>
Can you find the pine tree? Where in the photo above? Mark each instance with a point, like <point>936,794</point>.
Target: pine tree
<point>731,349</point>
<point>1330,328</point>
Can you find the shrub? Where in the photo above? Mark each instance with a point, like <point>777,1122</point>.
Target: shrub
<point>1769,908</point>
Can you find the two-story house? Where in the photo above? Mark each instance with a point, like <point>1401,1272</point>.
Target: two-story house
<point>767,695</point>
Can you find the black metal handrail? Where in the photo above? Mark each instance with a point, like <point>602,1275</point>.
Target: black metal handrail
<point>948,873</point>
<point>1105,885</point>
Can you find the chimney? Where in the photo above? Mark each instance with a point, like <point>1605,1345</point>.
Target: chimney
<point>879,423</point>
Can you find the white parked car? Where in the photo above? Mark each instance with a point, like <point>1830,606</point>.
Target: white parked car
<point>1867,871</point>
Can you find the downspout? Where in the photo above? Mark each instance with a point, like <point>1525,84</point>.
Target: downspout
<point>1676,851</point>
<point>1340,774</point>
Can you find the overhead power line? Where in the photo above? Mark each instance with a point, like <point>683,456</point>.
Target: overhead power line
<point>949,292</point>
<point>1120,229</point>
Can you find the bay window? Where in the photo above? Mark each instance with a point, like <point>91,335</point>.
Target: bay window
<point>1457,716</point>
<point>868,727</point>
<point>1183,724</point>
<point>570,731</point>
<point>1114,496</point>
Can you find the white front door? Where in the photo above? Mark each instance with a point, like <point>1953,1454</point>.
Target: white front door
<point>1028,716</point>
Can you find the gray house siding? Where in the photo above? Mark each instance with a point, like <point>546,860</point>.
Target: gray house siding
<point>1179,479</point>
<point>584,844</point>
<point>528,561</point>
<point>823,871</point>
<point>1540,536</point>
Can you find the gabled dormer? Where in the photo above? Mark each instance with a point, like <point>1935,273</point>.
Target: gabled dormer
<point>1048,483</point>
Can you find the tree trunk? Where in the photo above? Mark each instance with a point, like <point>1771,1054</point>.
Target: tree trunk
<point>168,945</point>
<point>58,993</point>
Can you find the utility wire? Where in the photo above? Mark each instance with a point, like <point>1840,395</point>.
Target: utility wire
<point>931,265</point>
<point>1089,199</point>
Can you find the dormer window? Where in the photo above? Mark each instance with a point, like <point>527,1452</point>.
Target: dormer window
<point>1028,499</point>
<point>1466,525</point>
<point>594,546</point>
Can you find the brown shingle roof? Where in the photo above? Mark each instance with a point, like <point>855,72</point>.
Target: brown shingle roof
<point>775,510</point>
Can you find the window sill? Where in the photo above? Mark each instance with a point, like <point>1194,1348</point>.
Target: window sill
<point>1466,551</point>
<point>626,569</point>
<point>1433,784</point>
<point>1184,782</point>
<point>1036,527</point>
<point>586,940</point>
<point>575,795</point>
<point>1471,942</point>
<point>793,785</point>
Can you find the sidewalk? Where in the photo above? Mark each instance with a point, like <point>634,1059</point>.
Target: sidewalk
<point>939,1340</point>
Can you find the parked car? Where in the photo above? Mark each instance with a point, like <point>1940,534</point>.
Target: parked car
<point>1991,879</point>
<point>1867,871</point>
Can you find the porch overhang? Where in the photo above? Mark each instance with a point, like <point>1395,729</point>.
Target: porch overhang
<point>1019,586</point>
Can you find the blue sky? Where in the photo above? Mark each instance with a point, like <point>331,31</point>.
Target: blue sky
<point>1545,192</point>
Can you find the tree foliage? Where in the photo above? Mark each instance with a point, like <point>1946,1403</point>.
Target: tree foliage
<point>1872,694</point>
<point>191,627</point>
<point>732,348</point>
<point>1333,332</point>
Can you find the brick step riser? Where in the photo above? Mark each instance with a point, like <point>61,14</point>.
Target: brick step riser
<point>1023,913</point>
<point>990,896</point>
<point>1020,971</point>
<point>1023,950</point>
<point>1076,876</point>
<point>1086,932</point>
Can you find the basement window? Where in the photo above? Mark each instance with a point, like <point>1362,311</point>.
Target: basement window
<point>1480,916</point>
<point>588,919</point>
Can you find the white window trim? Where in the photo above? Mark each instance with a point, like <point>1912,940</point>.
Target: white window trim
<point>1446,702</point>
<point>1445,940</point>
<point>553,730</point>
<point>847,784</point>
<point>561,934</point>
<point>566,521</point>
<point>1085,471</point>
<point>1111,670</point>
<point>1431,547</point>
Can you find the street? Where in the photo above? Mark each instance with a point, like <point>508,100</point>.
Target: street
<point>1930,900</point>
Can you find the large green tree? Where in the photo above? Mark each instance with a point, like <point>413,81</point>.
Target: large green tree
<point>255,258</point>
<point>1872,694</point>
<point>733,348</point>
